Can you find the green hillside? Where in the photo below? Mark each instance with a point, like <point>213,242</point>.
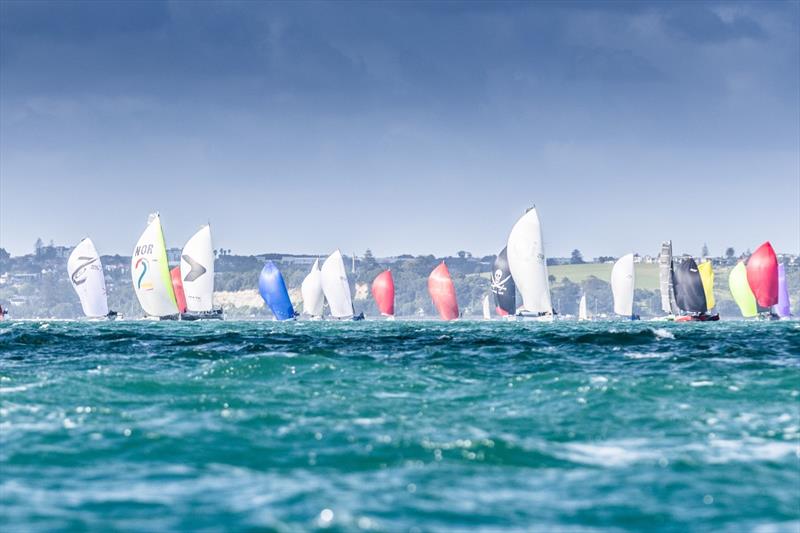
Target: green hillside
<point>646,274</point>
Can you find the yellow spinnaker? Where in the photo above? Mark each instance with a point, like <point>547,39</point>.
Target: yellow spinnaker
<point>740,289</point>
<point>707,277</point>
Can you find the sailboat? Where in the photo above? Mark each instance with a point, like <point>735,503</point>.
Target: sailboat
<point>86,275</point>
<point>197,273</point>
<point>336,288</point>
<point>528,267</point>
<point>582,314</point>
<point>487,312</point>
<point>503,287</point>
<point>443,292</point>
<point>690,294</point>
<point>150,273</point>
<point>623,282</point>
<point>177,286</point>
<point>273,290</point>
<point>383,292</point>
<point>783,309</point>
<point>668,304</point>
<point>762,276</point>
<point>741,292</point>
<point>311,291</point>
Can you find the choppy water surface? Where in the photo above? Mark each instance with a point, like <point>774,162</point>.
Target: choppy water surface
<point>400,426</point>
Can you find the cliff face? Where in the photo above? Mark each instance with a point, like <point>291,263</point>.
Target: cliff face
<point>244,298</point>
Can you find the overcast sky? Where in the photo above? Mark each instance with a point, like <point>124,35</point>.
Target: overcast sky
<point>401,127</point>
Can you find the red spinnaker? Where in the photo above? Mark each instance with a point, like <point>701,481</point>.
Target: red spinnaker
<point>443,292</point>
<point>177,286</point>
<point>383,292</point>
<point>762,275</point>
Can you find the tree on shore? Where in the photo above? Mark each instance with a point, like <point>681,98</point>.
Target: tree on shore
<point>730,252</point>
<point>369,259</point>
<point>576,258</point>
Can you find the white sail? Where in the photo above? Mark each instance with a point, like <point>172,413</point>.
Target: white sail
<point>86,275</point>
<point>623,281</point>
<point>311,290</point>
<point>487,313</point>
<point>336,287</point>
<point>150,271</point>
<point>527,263</point>
<point>582,314</point>
<point>197,271</point>
<point>668,304</point>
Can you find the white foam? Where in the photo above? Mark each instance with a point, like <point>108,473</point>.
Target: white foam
<point>611,453</point>
<point>662,333</point>
<point>725,450</point>
<point>640,355</point>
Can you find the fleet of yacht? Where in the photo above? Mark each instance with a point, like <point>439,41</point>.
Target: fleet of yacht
<point>185,292</point>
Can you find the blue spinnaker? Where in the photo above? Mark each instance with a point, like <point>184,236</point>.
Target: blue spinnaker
<point>273,290</point>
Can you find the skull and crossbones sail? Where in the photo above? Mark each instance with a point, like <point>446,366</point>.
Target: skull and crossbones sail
<point>503,288</point>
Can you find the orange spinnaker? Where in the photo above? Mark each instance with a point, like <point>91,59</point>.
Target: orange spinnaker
<point>177,286</point>
<point>383,292</point>
<point>443,292</point>
<point>762,275</point>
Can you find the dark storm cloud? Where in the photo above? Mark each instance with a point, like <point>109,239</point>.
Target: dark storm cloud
<point>571,104</point>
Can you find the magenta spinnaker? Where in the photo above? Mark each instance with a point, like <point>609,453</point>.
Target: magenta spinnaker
<point>762,275</point>
<point>782,308</point>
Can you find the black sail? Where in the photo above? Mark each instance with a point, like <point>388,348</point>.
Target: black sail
<point>503,288</point>
<point>688,286</point>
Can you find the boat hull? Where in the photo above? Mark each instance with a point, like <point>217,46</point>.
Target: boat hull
<point>525,316</point>
<point>214,314</point>
<point>698,318</point>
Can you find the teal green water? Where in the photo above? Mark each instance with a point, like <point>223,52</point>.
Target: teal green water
<point>404,426</point>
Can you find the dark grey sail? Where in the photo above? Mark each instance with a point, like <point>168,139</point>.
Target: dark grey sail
<point>503,288</point>
<point>668,304</point>
<point>689,294</point>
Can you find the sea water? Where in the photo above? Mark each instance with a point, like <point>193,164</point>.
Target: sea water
<point>399,426</point>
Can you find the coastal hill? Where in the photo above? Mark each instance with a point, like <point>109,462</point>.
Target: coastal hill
<point>37,286</point>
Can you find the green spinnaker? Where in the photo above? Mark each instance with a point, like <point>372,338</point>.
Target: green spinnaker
<point>163,262</point>
<point>740,289</point>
